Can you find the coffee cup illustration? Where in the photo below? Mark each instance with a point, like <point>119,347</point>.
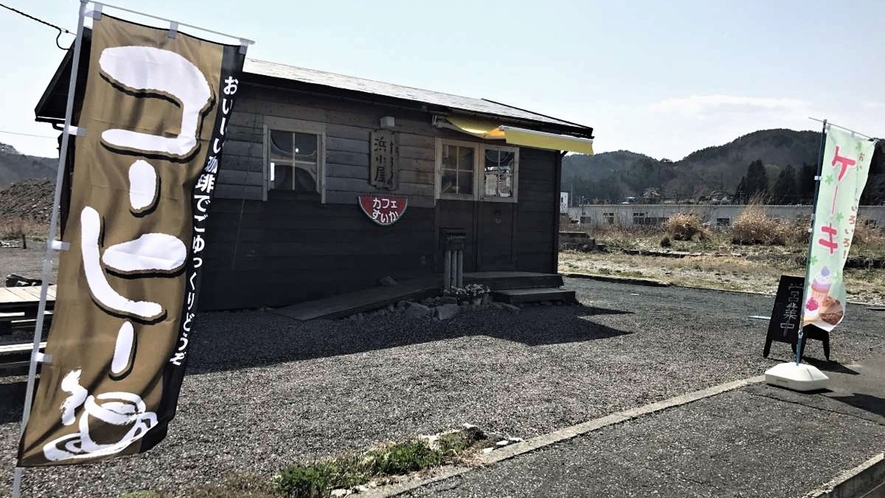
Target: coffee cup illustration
<point>108,424</point>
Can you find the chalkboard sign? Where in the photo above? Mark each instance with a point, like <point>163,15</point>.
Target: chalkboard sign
<point>784,323</point>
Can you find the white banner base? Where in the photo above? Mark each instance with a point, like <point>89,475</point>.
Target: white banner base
<point>798,377</point>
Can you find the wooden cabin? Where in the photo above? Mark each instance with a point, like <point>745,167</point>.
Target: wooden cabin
<point>286,224</point>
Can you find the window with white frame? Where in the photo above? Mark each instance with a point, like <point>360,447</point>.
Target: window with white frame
<point>499,173</point>
<point>457,170</point>
<point>295,157</point>
<point>472,171</point>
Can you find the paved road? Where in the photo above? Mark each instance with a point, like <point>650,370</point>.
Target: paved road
<point>759,441</point>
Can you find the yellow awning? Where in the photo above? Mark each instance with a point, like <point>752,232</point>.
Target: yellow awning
<point>542,140</point>
<point>490,130</point>
<point>478,127</point>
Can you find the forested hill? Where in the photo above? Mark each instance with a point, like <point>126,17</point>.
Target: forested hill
<point>15,166</point>
<point>613,176</point>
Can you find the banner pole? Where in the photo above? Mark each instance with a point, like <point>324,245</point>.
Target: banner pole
<point>243,41</point>
<point>51,244</point>
<point>824,121</point>
<point>820,166</point>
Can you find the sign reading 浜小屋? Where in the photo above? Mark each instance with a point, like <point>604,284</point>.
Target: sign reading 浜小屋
<point>383,160</point>
<point>383,209</point>
<point>563,203</point>
<point>154,111</point>
<point>786,314</point>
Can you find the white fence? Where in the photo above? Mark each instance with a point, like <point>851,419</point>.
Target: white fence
<point>626,215</point>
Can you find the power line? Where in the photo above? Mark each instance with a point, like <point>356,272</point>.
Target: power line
<point>41,21</point>
<point>27,134</point>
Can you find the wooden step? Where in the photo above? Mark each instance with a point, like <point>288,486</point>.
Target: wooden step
<point>351,303</point>
<point>506,280</point>
<point>10,322</point>
<point>7,350</point>
<point>15,359</point>
<point>15,367</point>
<point>518,296</point>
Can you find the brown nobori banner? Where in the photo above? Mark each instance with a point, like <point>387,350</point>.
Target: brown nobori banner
<point>154,110</point>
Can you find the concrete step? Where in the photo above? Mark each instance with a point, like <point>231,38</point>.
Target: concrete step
<point>507,280</point>
<point>518,296</point>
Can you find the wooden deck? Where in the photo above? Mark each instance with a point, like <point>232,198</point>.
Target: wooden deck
<point>368,299</point>
<point>19,306</point>
<point>24,299</point>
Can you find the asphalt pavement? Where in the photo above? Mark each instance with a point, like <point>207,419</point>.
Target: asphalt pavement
<point>758,441</point>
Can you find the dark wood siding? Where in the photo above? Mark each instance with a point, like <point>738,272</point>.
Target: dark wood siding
<point>284,251</point>
<point>458,216</point>
<point>495,234</point>
<point>536,210</point>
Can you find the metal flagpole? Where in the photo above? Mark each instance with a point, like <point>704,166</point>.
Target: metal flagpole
<point>820,165</point>
<point>243,41</point>
<point>51,244</point>
<point>849,130</point>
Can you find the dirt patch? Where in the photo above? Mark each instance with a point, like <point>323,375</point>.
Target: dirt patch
<point>29,200</point>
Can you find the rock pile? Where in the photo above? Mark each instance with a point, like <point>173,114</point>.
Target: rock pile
<point>437,308</point>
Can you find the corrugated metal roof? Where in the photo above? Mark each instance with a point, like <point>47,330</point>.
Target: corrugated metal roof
<point>340,81</point>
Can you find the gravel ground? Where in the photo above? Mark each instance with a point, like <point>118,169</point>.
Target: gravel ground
<point>265,391</point>
<point>25,262</point>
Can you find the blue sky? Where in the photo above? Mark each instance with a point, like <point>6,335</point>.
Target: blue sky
<point>662,78</point>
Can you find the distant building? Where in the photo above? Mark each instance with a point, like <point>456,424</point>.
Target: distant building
<point>717,215</point>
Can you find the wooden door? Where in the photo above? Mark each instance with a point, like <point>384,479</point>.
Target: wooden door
<point>495,237</point>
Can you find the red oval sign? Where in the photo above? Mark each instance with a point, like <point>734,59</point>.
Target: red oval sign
<point>384,210</point>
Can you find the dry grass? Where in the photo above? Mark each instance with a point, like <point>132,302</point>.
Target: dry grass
<point>684,226</point>
<point>867,235</point>
<point>750,257</point>
<point>757,274</point>
<point>11,229</point>
<point>754,226</point>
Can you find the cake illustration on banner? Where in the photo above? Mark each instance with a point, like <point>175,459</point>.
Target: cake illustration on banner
<point>831,311</point>
<point>820,291</point>
<point>820,286</point>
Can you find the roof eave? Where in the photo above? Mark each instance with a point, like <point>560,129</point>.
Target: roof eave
<point>50,108</point>
<point>415,105</point>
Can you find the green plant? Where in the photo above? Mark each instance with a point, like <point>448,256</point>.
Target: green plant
<point>402,458</point>
<point>665,242</point>
<point>305,481</point>
<point>456,442</point>
<point>317,479</point>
